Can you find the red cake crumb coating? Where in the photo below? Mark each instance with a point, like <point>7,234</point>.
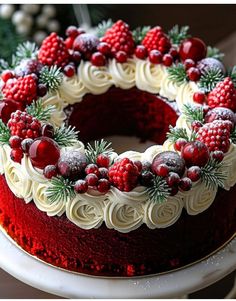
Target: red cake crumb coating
<point>111,253</point>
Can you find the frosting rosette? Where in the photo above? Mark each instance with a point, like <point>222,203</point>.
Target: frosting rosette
<point>4,157</point>
<point>185,94</point>
<point>168,87</point>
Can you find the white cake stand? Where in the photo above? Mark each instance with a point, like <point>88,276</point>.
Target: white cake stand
<point>69,285</point>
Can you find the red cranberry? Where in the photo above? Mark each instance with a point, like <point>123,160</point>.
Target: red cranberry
<point>217,155</point>
<point>196,125</point>
<point>50,171</point>
<point>103,160</point>
<point>91,179</point>
<point>162,170</point>
<point>72,31</point>
<point>173,179</point>
<point>8,106</point>
<point>155,57</point>
<point>174,190</point>
<point>81,186</point>
<point>220,113</point>
<point>76,57</point>
<point>104,48</point>
<point>195,154</point>
<point>69,70</point>
<point>6,75</point>
<point>42,90</point>
<point>103,172</point>
<point>92,168</point>
<point>121,56</point>
<point>193,48</point>
<point>25,144</point>
<point>194,173</point>
<point>44,151</point>
<point>86,44</point>
<point>15,142</point>
<point>167,60</point>
<point>173,52</point>
<point>189,63</point>
<point>103,185</point>
<point>141,52</point>
<point>47,130</point>
<point>98,59</point>
<point>194,74</point>
<point>146,178</point>
<point>179,143</point>
<point>185,184</point>
<point>199,97</point>
<point>138,164</point>
<point>16,155</point>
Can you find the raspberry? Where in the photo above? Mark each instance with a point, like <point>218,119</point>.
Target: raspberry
<point>223,95</point>
<point>120,38</point>
<point>216,135</point>
<point>23,89</point>
<point>53,51</point>
<point>124,175</point>
<point>156,39</point>
<point>24,125</point>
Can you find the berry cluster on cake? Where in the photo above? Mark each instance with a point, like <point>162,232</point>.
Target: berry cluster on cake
<point>78,204</point>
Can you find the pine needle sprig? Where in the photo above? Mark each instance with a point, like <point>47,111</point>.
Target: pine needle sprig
<point>176,133</point>
<point>232,74</point>
<point>37,110</point>
<point>66,136</point>
<point>193,113</point>
<point>210,78</point>
<point>214,53</point>
<point>60,190</point>
<point>51,77</point>
<point>177,74</point>
<point>100,147</point>
<point>4,133</point>
<point>177,34</point>
<point>103,27</point>
<point>212,174</point>
<point>159,191</point>
<point>139,33</point>
<point>26,50</point>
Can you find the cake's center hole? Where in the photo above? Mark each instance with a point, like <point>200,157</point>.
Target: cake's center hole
<point>138,118</point>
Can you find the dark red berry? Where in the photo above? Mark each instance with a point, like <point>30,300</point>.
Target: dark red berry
<point>16,155</point>
<point>179,143</point>
<point>210,63</point>
<point>15,142</point>
<point>103,160</point>
<point>42,90</point>
<point>185,184</point>
<point>199,97</point>
<point>25,144</point>
<point>121,56</point>
<point>193,48</point>
<point>173,52</point>
<point>138,164</point>
<point>155,57</point>
<point>189,64</point>
<point>194,173</point>
<point>104,48</point>
<point>146,178</point>
<point>167,60</point>
<point>141,52</point>
<point>103,172</point>
<point>162,170</point>
<point>217,155</point>
<point>103,185</point>
<point>8,106</point>
<point>6,75</point>
<point>28,66</point>
<point>81,186</point>
<point>195,154</point>
<point>72,31</point>
<point>196,125</point>
<point>173,179</point>
<point>194,74</point>
<point>98,59</point>
<point>146,166</point>
<point>47,130</point>
<point>220,113</point>
<point>92,168</point>
<point>174,190</point>
<point>50,171</point>
<point>91,179</point>
<point>86,44</point>
<point>69,70</point>
<point>76,57</point>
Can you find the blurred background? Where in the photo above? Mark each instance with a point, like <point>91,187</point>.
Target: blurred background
<point>214,23</point>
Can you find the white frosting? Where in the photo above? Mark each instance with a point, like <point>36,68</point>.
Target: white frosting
<point>4,156</point>
<point>169,88</point>
<point>185,93</point>
<point>229,171</point>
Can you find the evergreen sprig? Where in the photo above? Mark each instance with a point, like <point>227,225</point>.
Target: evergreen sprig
<point>193,113</point>
<point>212,174</point>
<point>210,78</point>
<point>214,53</point>
<point>103,27</point>
<point>176,133</point>
<point>100,147</point>
<point>4,133</point>
<point>177,74</point>
<point>37,110</point>
<point>51,77</point>
<point>26,50</point>
<point>232,74</point>
<point>66,136</point>
<point>139,33</point>
<point>177,34</point>
<point>159,191</point>
<point>60,190</point>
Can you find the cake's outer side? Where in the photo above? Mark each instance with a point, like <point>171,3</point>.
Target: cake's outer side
<point>108,252</point>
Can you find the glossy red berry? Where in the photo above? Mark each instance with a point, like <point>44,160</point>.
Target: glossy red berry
<point>103,185</point>
<point>162,170</point>
<point>167,60</point>
<point>141,52</point>
<point>174,190</point>
<point>91,179</point>
<point>199,97</point>
<point>146,178</point>
<point>185,184</point>
<point>173,52</point>
<point>195,154</point>
<point>50,171</point>
<point>103,172</point>
<point>42,90</point>
<point>6,75</point>
<point>81,186</point>
<point>121,57</point>
<point>16,155</point>
<point>25,144</point>
<point>47,130</point>
<point>92,168</point>
<point>179,143</point>
<point>194,173</point>
<point>104,48</point>
<point>103,160</point>
<point>69,70</point>
<point>15,142</point>
<point>173,179</point>
<point>196,125</point>
<point>218,155</point>
<point>193,48</point>
<point>194,74</point>
<point>98,59</point>
<point>72,31</point>
<point>189,63</point>
<point>155,57</point>
<point>76,57</point>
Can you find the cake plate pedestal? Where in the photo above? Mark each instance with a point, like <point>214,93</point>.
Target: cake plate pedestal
<point>70,285</point>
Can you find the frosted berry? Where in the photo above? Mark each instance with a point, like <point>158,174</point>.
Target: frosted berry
<point>91,179</point>
<point>193,74</point>
<point>167,60</point>
<point>92,168</point>
<point>120,38</point>
<point>199,97</point>
<point>42,90</point>
<point>7,107</point>
<point>15,142</point>
<point>156,39</point>
<point>162,170</point>
<point>218,155</point>
<point>189,63</point>
<point>44,151</point>
<point>185,184</point>
<point>6,75</point>
<point>103,172</point>
<point>179,143</point>
<point>16,155</point>
<point>47,130</point>
<point>146,178</point>
<point>104,48</point>
<point>53,51</point>
<point>195,153</point>
<point>103,160</point>
<point>72,164</point>
<point>103,185</point>
<point>98,59</point>
<point>81,186</point>
<point>72,31</point>
<point>194,173</point>
<point>50,171</point>
<point>155,57</point>
<point>173,179</point>
<point>28,66</point>
<point>124,175</point>
<point>223,95</point>
<point>25,144</point>
<point>220,113</point>
<point>173,161</point>
<point>141,52</point>
<point>193,48</point>
<point>86,44</point>
<point>196,125</point>
<point>121,57</point>
<point>23,89</point>
<point>210,63</point>
<point>69,70</point>
<point>216,135</point>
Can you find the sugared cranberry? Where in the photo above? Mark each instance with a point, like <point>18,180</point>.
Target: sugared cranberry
<point>86,44</point>
<point>194,173</point>
<point>16,155</point>
<point>69,70</point>
<point>103,185</point>
<point>98,59</point>
<point>25,144</point>
<point>141,52</point>
<point>155,57</point>
<point>167,60</point>
<point>210,63</point>
<point>47,130</point>
<point>44,151</point>
<point>194,74</point>
<point>162,170</point>
<point>193,48</point>
<point>121,56</point>
<point>189,63</point>
<point>196,125</point>
<point>103,172</point>
<point>72,31</point>
<point>104,48</point>
<point>81,186</point>
<point>179,143</point>
<point>138,164</point>
<point>220,113</point>
<point>42,90</point>
<point>103,160</point>
<point>92,168</point>
<point>50,171</point>
<point>185,184</point>
<point>199,97</point>
<point>15,142</point>
<point>76,57</point>
<point>6,75</point>
<point>195,153</point>
<point>217,155</point>
<point>91,179</point>
<point>146,178</point>
<point>173,179</point>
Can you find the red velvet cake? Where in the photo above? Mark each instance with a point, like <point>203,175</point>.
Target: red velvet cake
<point>69,199</point>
